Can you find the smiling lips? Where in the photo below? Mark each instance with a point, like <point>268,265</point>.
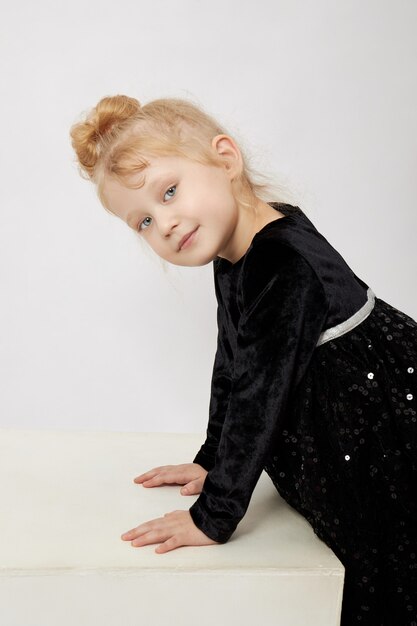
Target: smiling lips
<point>187,239</point>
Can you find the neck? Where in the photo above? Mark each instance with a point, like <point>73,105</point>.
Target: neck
<point>247,226</point>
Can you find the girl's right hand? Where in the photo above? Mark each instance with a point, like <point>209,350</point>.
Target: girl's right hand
<point>191,475</point>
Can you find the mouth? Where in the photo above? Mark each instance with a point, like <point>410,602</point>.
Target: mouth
<point>187,239</point>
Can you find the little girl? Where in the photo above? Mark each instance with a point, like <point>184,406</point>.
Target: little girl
<point>314,378</point>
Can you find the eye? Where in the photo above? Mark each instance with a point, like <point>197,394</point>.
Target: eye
<point>173,187</point>
<point>143,222</point>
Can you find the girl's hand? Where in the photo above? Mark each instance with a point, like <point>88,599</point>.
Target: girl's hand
<point>174,530</point>
<point>191,475</point>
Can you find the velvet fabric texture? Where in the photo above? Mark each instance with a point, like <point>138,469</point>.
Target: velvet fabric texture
<point>272,308</point>
<point>333,425</point>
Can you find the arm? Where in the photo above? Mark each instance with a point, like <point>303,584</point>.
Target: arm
<point>277,334</point>
<point>220,391</point>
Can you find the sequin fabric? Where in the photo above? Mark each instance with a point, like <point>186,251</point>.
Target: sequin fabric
<point>347,461</point>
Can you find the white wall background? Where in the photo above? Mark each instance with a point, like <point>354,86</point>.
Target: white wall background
<point>322,95</point>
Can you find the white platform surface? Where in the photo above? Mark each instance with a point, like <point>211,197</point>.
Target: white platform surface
<point>67,496</point>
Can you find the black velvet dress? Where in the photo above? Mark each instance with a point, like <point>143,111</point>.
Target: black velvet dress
<point>315,382</point>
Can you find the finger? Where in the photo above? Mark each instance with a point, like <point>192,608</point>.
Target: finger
<point>147,475</point>
<point>191,488</point>
<point>165,477</point>
<point>152,536</point>
<point>129,534</point>
<point>141,529</point>
<point>169,544</point>
<point>142,540</point>
<point>157,480</point>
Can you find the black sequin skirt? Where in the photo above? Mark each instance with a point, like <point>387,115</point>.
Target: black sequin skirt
<point>346,459</point>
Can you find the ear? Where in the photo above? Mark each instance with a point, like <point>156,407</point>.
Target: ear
<point>227,149</point>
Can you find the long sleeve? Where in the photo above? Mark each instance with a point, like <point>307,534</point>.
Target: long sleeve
<point>278,330</point>
<point>220,391</point>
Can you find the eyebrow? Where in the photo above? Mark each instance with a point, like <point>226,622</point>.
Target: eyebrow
<point>154,183</point>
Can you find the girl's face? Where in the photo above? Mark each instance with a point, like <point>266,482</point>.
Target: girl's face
<point>180,197</point>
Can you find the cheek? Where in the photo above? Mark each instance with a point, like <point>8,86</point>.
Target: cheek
<point>225,216</point>
<point>150,242</point>
<point>159,249</point>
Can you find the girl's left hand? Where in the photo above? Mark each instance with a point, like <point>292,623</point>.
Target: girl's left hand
<point>174,530</point>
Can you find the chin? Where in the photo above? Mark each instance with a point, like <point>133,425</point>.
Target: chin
<point>192,264</point>
<point>197,261</point>
<point>193,258</point>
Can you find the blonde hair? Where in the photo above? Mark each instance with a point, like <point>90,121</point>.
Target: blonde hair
<point>114,137</point>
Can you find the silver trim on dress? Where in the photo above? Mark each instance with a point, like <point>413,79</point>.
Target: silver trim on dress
<point>351,322</point>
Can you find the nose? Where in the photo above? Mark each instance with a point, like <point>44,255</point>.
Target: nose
<point>167,224</point>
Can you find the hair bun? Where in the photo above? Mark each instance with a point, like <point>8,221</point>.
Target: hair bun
<point>88,135</point>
